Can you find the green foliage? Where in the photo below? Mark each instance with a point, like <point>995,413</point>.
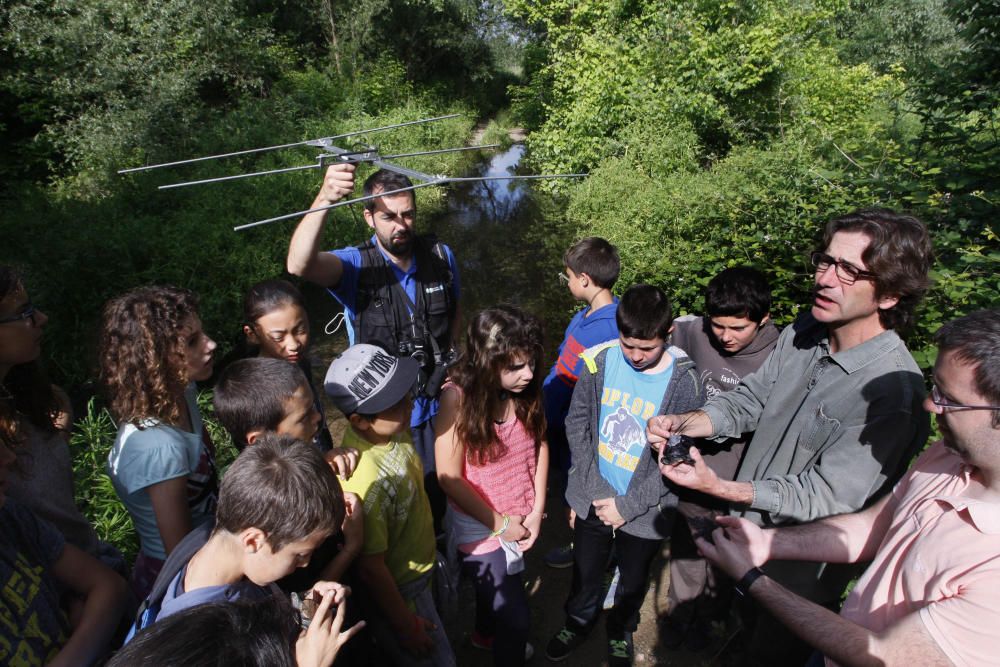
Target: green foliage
<point>225,451</point>
<point>92,438</point>
<point>720,133</point>
<point>94,75</point>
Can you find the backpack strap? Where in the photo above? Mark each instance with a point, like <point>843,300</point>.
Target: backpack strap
<point>433,249</point>
<point>175,562</point>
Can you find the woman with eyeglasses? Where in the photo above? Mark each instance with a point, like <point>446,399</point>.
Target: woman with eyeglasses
<point>35,418</point>
<point>44,539</point>
<point>153,349</point>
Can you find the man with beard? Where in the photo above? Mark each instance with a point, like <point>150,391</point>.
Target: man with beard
<point>399,291</point>
<point>930,595</point>
<point>835,409</point>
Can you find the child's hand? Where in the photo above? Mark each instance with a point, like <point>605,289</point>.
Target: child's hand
<point>533,524</point>
<point>607,512</point>
<point>338,592</point>
<point>515,529</point>
<point>318,646</point>
<point>354,522</point>
<point>343,460</point>
<point>417,641</point>
<point>572,519</point>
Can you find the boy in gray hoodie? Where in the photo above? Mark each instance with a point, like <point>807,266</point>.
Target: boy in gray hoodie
<point>731,340</point>
<point>615,490</point>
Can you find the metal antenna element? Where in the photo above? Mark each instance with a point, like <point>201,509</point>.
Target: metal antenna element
<point>288,216</point>
<point>434,180</point>
<point>334,154</point>
<point>347,156</point>
<point>310,142</point>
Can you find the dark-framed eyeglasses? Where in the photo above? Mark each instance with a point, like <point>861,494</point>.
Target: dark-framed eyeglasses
<point>27,314</point>
<point>847,273</point>
<point>947,406</point>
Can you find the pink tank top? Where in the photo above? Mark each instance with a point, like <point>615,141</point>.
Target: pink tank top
<point>507,484</point>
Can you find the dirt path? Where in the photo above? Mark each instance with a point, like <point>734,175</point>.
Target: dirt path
<point>516,134</point>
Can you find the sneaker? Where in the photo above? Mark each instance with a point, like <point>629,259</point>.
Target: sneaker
<point>485,643</point>
<point>560,557</point>
<point>560,646</point>
<point>620,650</point>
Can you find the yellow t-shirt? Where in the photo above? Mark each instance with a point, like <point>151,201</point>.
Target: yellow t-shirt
<point>390,480</point>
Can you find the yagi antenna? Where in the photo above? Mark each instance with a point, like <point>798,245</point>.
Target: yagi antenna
<point>323,160</point>
<point>308,142</point>
<point>436,180</point>
<point>332,153</point>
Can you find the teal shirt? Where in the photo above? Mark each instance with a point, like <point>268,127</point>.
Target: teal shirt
<point>628,399</point>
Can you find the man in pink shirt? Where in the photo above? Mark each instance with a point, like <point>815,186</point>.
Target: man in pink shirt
<point>931,595</point>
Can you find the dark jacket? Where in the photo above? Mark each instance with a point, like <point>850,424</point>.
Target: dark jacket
<point>648,506</point>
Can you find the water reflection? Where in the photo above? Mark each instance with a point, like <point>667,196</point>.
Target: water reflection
<point>497,199</point>
<point>508,238</point>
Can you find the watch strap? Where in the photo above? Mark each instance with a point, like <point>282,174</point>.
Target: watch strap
<point>744,584</point>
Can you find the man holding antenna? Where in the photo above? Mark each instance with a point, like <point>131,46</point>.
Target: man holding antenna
<point>399,290</point>
<point>835,409</point>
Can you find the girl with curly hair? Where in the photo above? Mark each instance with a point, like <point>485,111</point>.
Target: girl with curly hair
<point>162,464</point>
<point>492,463</point>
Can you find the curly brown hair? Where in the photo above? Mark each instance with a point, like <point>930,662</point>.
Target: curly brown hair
<point>497,338</point>
<point>142,353</point>
<point>25,392</point>
<point>900,255</point>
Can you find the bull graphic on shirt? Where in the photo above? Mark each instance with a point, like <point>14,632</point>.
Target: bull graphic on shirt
<point>621,430</point>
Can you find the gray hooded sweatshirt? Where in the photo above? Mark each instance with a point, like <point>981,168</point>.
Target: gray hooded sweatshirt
<point>649,502</point>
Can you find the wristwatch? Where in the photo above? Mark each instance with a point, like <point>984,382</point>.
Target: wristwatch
<point>744,584</point>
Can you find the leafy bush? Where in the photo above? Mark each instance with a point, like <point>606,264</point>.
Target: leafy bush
<point>720,133</point>
<point>92,439</point>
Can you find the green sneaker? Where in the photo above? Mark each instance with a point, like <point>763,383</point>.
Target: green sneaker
<point>620,650</point>
<point>560,646</point>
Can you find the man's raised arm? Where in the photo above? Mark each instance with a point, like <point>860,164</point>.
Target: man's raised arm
<point>305,258</point>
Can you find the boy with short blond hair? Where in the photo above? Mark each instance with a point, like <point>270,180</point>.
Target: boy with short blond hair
<point>372,388</point>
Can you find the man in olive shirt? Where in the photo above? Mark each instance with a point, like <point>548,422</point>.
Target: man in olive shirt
<point>835,408</point>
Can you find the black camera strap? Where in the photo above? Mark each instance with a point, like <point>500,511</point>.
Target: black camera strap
<point>415,312</point>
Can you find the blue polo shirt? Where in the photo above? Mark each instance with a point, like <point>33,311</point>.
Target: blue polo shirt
<point>346,293</point>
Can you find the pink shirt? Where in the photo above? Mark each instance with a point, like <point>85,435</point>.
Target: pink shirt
<point>508,484</point>
<point>941,559</point>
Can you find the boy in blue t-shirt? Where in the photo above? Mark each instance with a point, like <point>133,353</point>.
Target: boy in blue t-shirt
<point>615,489</point>
<point>592,268</point>
<point>279,500</point>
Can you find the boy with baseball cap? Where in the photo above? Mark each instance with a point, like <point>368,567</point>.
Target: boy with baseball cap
<point>372,387</point>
